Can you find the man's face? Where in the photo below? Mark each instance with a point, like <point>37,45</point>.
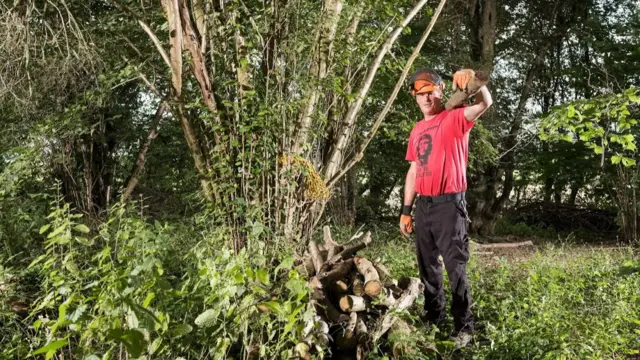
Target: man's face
<point>429,102</point>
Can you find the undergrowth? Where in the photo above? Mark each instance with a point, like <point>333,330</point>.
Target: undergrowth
<point>559,302</point>
<point>132,289</point>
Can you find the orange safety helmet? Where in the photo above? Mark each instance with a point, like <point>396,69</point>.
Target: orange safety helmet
<point>424,80</point>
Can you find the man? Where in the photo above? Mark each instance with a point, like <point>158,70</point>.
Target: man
<point>438,154</point>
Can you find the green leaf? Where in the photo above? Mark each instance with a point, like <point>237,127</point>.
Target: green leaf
<point>263,276</point>
<point>628,162</point>
<point>571,111</point>
<point>57,231</point>
<point>285,264</point>
<point>207,318</point>
<point>44,228</point>
<point>132,339</point>
<point>148,299</point>
<point>273,306</point>
<point>181,330</point>
<point>615,159</point>
<point>52,346</point>
<point>80,310</point>
<point>134,342</point>
<point>81,228</point>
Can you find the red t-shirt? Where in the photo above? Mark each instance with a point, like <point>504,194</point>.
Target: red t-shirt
<point>440,148</point>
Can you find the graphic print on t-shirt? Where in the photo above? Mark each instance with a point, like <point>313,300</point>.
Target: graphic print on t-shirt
<point>424,149</point>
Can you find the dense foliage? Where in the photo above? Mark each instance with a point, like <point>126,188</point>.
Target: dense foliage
<point>163,165</point>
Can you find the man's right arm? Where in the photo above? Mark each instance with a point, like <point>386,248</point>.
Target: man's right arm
<point>410,185</point>
<point>409,196</point>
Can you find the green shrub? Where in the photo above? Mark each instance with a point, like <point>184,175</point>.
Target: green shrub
<point>505,227</point>
<point>151,290</point>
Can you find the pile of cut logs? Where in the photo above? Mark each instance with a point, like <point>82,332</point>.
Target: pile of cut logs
<point>356,300</point>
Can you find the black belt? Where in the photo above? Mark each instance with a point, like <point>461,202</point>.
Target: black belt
<point>442,198</point>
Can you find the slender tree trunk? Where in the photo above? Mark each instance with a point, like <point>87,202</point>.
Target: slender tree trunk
<point>138,167</point>
<point>557,194</point>
<point>548,189</point>
<point>574,193</point>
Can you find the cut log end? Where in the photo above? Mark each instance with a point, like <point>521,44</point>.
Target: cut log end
<point>373,288</point>
<point>351,303</point>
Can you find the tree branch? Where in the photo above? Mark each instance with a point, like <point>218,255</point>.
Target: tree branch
<point>374,129</point>
<point>352,114</point>
<point>146,29</point>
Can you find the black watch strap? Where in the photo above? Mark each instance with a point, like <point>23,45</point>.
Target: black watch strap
<point>406,209</point>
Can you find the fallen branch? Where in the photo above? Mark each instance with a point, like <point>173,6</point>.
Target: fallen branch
<point>347,253</point>
<point>413,289</point>
<point>352,303</point>
<point>505,245</point>
<point>315,256</point>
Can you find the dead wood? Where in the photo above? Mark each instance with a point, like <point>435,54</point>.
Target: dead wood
<point>346,339</point>
<point>339,288</point>
<point>352,303</point>
<point>413,288</point>
<point>382,270</point>
<point>331,313</point>
<point>316,257</point>
<point>357,286</point>
<point>372,285</point>
<point>347,253</point>
<point>361,330</point>
<point>338,272</point>
<point>506,245</point>
<point>459,96</point>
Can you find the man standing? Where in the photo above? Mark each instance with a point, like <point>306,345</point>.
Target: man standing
<point>438,154</point>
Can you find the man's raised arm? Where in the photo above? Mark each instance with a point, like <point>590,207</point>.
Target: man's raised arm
<point>483,102</point>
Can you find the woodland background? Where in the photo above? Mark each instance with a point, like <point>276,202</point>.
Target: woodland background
<point>164,164</point>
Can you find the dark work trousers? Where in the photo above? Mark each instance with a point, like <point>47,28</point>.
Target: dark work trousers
<point>441,229</point>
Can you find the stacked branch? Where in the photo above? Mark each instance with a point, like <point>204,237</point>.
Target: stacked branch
<point>356,299</point>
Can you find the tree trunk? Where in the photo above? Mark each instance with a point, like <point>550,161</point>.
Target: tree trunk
<point>548,188</point>
<point>342,205</point>
<point>557,194</point>
<point>482,34</point>
<point>142,154</point>
<point>574,193</point>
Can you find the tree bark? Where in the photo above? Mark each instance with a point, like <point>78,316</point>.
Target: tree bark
<point>332,10</point>
<point>482,34</point>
